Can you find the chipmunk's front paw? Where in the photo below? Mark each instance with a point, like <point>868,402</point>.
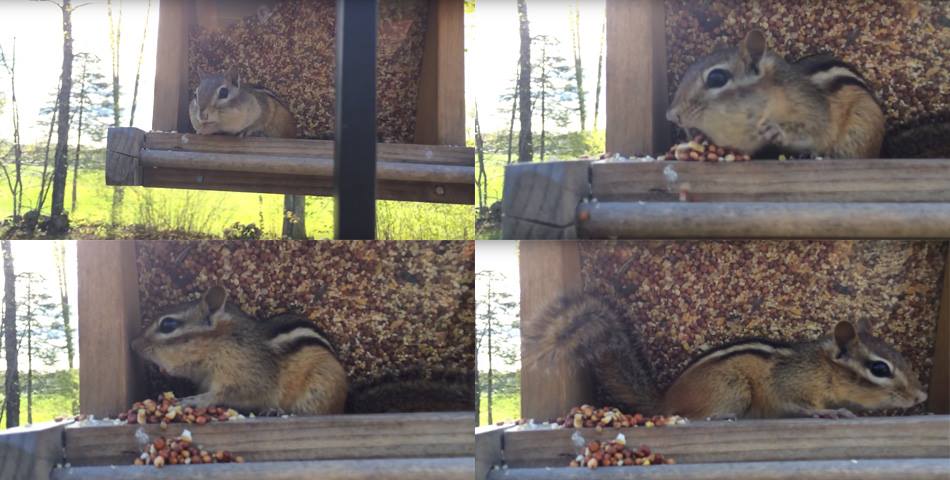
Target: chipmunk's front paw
<point>272,412</point>
<point>771,133</point>
<point>203,400</point>
<point>727,417</point>
<point>833,414</point>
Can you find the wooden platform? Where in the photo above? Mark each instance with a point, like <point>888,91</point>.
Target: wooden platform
<point>874,198</point>
<point>408,172</point>
<point>865,448</point>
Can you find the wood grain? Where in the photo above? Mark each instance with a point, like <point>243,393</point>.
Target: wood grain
<point>30,453</point>
<point>548,270</point>
<point>939,395</point>
<point>170,112</point>
<point>389,469</point>
<point>869,180</point>
<point>918,469</point>
<point>124,147</point>
<point>488,449</point>
<point>753,441</point>
<point>430,435</point>
<point>636,70</point>
<point>440,110</point>
<point>111,377</point>
<point>764,220</point>
<point>540,199</point>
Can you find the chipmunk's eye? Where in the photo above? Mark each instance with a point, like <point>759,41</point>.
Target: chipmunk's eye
<point>223,93</point>
<point>168,325</point>
<point>879,369</point>
<point>717,78</point>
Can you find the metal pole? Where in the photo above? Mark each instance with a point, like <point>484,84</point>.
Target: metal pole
<point>354,177</point>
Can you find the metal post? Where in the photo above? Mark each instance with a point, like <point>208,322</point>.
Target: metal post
<point>354,173</point>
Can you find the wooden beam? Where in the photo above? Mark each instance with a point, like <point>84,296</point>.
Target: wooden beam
<point>865,180</point>
<point>111,377</point>
<point>170,111</point>
<point>918,469</point>
<point>488,449</point>
<point>446,434</point>
<point>123,150</point>
<point>540,199</point>
<point>737,220</point>
<point>751,441</point>
<point>548,270</point>
<point>939,396</point>
<point>30,453</point>
<point>636,77</point>
<point>389,469</point>
<point>440,109</point>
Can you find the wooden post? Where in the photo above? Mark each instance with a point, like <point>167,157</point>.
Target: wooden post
<point>939,396</point>
<point>30,453</point>
<point>488,449</point>
<point>540,200</point>
<point>440,110</point>
<point>637,95</point>
<point>548,270</point>
<point>111,377</point>
<point>123,152</point>
<point>170,112</point>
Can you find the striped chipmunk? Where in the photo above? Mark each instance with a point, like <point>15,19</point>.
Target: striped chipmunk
<point>223,104</point>
<point>749,98</point>
<point>847,371</point>
<point>283,364</point>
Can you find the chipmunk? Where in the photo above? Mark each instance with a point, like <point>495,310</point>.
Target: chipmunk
<point>223,104</point>
<point>749,98</point>
<point>848,370</point>
<point>282,365</point>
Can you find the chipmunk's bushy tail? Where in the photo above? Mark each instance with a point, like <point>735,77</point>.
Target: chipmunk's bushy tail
<point>586,332</point>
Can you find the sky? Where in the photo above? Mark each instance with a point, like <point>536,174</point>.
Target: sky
<point>499,256</point>
<point>37,28</point>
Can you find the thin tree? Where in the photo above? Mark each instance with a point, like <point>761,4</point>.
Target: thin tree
<point>59,254</point>
<point>16,182</point>
<point>514,110</point>
<point>578,66</point>
<point>58,219</point>
<point>525,145</point>
<point>94,100</point>
<point>40,335</point>
<point>600,72</point>
<point>138,68</point>
<point>53,112</point>
<point>482,181</point>
<point>115,42</point>
<point>11,384</point>
<point>493,333</point>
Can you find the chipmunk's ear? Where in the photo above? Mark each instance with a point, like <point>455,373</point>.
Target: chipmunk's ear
<point>214,299</point>
<point>752,49</point>
<point>844,335</point>
<point>234,75</point>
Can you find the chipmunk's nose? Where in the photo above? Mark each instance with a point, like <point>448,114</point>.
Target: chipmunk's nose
<point>921,397</point>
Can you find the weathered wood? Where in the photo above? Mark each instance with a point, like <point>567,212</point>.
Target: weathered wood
<point>868,180</point>
<point>447,434</point>
<point>440,110</point>
<point>540,199</point>
<point>548,270</point>
<point>124,147</point>
<point>636,66</point>
<point>764,220</point>
<point>752,441</point>
<point>30,453</point>
<point>298,147</point>
<point>170,111</point>
<point>918,469</point>
<point>939,396</point>
<point>488,449</point>
<point>111,377</point>
<point>390,469</point>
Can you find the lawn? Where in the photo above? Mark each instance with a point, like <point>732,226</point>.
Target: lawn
<point>505,408</point>
<point>208,213</point>
<point>56,395</point>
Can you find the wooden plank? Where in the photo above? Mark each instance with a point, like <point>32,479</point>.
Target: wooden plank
<point>636,77</point>
<point>30,453</point>
<point>111,377</point>
<point>301,185</point>
<point>488,449</point>
<point>918,469</point>
<point>445,434</point>
<point>390,469</point>
<point>540,199</point>
<point>939,396</point>
<point>752,440</point>
<point>298,147</point>
<point>123,150</point>
<point>870,180</point>
<point>736,220</point>
<point>548,270</point>
<point>440,108</point>
<point>170,112</point>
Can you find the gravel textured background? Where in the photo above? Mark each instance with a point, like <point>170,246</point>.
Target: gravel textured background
<point>900,46</point>
<point>393,310</point>
<point>690,296</point>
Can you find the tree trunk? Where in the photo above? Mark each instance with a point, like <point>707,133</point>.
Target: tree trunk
<point>138,69</point>
<point>60,254</point>
<point>11,385</point>
<point>115,42</point>
<point>29,353</point>
<point>44,183</point>
<point>82,99</point>
<point>482,181</point>
<point>295,226</point>
<point>514,109</point>
<point>60,165</point>
<point>16,185</point>
<point>578,66</point>
<point>525,144</point>
<point>544,81</point>
<point>600,73</point>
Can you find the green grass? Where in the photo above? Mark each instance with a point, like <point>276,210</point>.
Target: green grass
<point>207,213</point>
<point>504,408</point>
<point>55,395</point>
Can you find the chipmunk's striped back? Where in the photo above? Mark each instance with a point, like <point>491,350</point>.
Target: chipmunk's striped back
<point>290,333</point>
